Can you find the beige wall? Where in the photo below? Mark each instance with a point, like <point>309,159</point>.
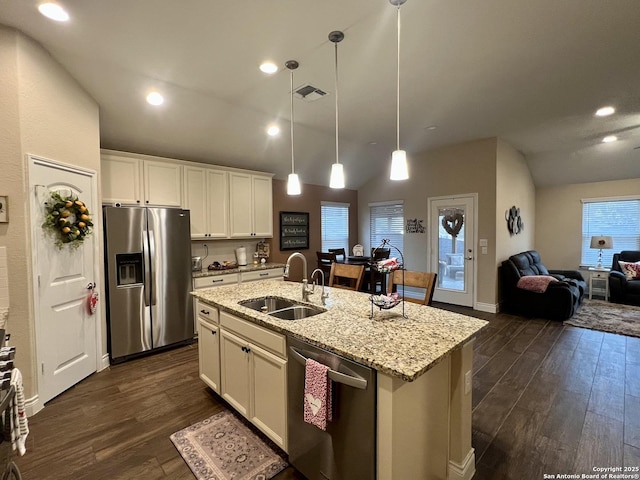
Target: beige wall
<point>46,113</point>
<point>309,201</point>
<point>460,169</point>
<point>514,187</point>
<point>559,218</point>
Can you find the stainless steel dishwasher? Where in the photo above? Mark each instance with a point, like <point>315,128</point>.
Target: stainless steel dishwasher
<point>347,449</point>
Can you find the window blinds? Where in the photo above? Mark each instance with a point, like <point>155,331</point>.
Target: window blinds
<point>619,219</point>
<point>335,225</point>
<point>387,221</point>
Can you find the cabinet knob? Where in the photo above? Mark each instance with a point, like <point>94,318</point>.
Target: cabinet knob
<point>146,201</point>
<point>213,332</point>
<point>137,201</point>
<point>206,312</point>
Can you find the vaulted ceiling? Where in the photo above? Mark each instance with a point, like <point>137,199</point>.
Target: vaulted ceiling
<point>530,72</point>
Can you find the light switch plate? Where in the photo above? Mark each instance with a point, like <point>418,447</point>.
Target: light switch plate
<point>484,242</point>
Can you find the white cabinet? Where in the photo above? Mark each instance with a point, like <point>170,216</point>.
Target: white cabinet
<point>261,274</point>
<point>253,374</point>
<point>251,205</point>
<point>209,346</point>
<point>129,180</point>
<point>215,280</point>
<point>206,195</point>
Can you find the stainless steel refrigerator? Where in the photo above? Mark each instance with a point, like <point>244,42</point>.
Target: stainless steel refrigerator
<point>148,269</point>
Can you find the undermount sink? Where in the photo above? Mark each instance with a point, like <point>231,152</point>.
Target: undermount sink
<point>281,308</point>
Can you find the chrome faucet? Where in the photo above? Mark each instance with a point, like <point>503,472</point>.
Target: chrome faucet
<point>324,294</point>
<point>305,284</point>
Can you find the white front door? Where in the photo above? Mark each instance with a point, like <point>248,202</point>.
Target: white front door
<point>65,330</point>
<point>451,230</point>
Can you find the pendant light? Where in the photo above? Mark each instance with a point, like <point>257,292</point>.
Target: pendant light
<point>337,173</point>
<point>399,169</point>
<point>293,182</point>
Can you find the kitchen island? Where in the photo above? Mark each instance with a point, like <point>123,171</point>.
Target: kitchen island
<point>423,363</point>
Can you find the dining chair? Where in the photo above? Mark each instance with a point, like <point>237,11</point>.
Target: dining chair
<point>375,279</point>
<point>346,276</point>
<point>325,260</point>
<point>425,280</point>
<point>340,252</point>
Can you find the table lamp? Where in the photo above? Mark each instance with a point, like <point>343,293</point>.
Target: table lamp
<point>601,242</point>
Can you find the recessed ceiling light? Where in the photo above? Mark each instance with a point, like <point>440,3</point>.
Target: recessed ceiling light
<point>273,130</point>
<point>431,127</point>
<point>609,139</point>
<point>605,111</point>
<point>269,68</point>
<point>154,98</point>
<point>53,11</point>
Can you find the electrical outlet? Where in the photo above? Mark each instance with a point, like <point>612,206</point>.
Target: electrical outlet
<point>467,383</point>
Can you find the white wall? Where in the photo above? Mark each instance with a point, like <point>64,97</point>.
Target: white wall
<point>46,113</point>
<point>559,213</point>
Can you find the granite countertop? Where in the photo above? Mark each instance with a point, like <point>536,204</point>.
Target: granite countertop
<point>400,347</point>
<point>248,268</point>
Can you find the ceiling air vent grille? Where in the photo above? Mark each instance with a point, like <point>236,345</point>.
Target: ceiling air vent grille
<point>309,93</point>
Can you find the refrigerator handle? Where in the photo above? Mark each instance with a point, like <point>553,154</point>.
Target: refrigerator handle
<point>152,257</point>
<point>147,269</point>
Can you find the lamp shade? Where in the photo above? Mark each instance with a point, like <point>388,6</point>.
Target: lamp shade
<point>337,176</point>
<point>293,184</point>
<point>604,242</point>
<point>399,170</point>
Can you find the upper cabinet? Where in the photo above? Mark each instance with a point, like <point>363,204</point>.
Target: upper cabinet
<point>135,181</point>
<point>206,195</point>
<point>251,202</point>
<point>224,202</point>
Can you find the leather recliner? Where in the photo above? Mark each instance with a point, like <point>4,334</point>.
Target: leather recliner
<point>622,290</point>
<point>559,302</point>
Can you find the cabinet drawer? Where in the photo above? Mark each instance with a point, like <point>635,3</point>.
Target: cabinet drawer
<point>215,280</point>
<point>603,275</point>
<point>261,274</point>
<point>255,334</point>
<point>207,312</point>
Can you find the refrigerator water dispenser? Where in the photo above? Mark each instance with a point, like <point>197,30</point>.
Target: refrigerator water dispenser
<point>129,267</point>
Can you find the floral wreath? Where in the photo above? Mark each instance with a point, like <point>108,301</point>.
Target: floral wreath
<point>68,219</point>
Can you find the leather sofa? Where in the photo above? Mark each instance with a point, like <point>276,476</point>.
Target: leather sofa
<point>622,290</point>
<point>560,300</point>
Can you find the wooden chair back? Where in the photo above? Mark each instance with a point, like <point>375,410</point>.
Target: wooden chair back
<point>424,280</point>
<point>346,276</point>
<point>325,260</point>
<point>340,252</point>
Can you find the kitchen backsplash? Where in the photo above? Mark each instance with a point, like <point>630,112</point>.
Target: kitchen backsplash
<point>221,250</point>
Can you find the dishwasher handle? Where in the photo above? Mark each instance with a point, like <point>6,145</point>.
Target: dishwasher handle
<point>356,382</point>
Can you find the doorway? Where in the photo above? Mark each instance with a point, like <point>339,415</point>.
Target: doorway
<point>452,239</point>
<point>67,334</point>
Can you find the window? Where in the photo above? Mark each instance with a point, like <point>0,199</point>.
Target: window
<point>335,225</point>
<point>387,221</point>
<point>616,217</point>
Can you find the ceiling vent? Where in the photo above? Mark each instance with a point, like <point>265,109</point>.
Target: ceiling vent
<point>309,93</point>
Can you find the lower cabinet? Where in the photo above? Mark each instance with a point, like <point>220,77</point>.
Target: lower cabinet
<point>209,352</point>
<point>253,380</point>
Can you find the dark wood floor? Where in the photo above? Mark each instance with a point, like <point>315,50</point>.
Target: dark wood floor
<point>547,399</point>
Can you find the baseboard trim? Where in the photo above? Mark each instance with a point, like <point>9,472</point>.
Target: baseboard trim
<point>32,405</point>
<point>486,307</point>
<point>105,362</point>
<point>464,471</point>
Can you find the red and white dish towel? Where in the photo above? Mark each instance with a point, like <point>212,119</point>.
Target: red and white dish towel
<point>317,394</point>
<point>18,424</point>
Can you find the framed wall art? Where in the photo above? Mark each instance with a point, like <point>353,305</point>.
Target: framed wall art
<point>294,230</point>
<point>4,209</point>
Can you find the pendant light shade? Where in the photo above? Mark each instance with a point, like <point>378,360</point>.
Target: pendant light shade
<point>337,176</point>
<point>399,168</point>
<point>293,182</point>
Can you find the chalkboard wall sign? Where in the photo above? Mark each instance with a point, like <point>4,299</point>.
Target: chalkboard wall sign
<point>294,230</point>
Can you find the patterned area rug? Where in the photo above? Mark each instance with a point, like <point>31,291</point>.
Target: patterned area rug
<point>222,447</point>
<point>607,317</point>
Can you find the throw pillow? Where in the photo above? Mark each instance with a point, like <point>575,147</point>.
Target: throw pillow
<point>630,270</point>
<point>535,283</point>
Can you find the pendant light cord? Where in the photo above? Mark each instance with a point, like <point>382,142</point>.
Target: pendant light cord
<point>336,47</point>
<point>398,89</point>
<point>292,162</point>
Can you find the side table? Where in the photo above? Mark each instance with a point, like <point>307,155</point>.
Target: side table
<point>599,282</point>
